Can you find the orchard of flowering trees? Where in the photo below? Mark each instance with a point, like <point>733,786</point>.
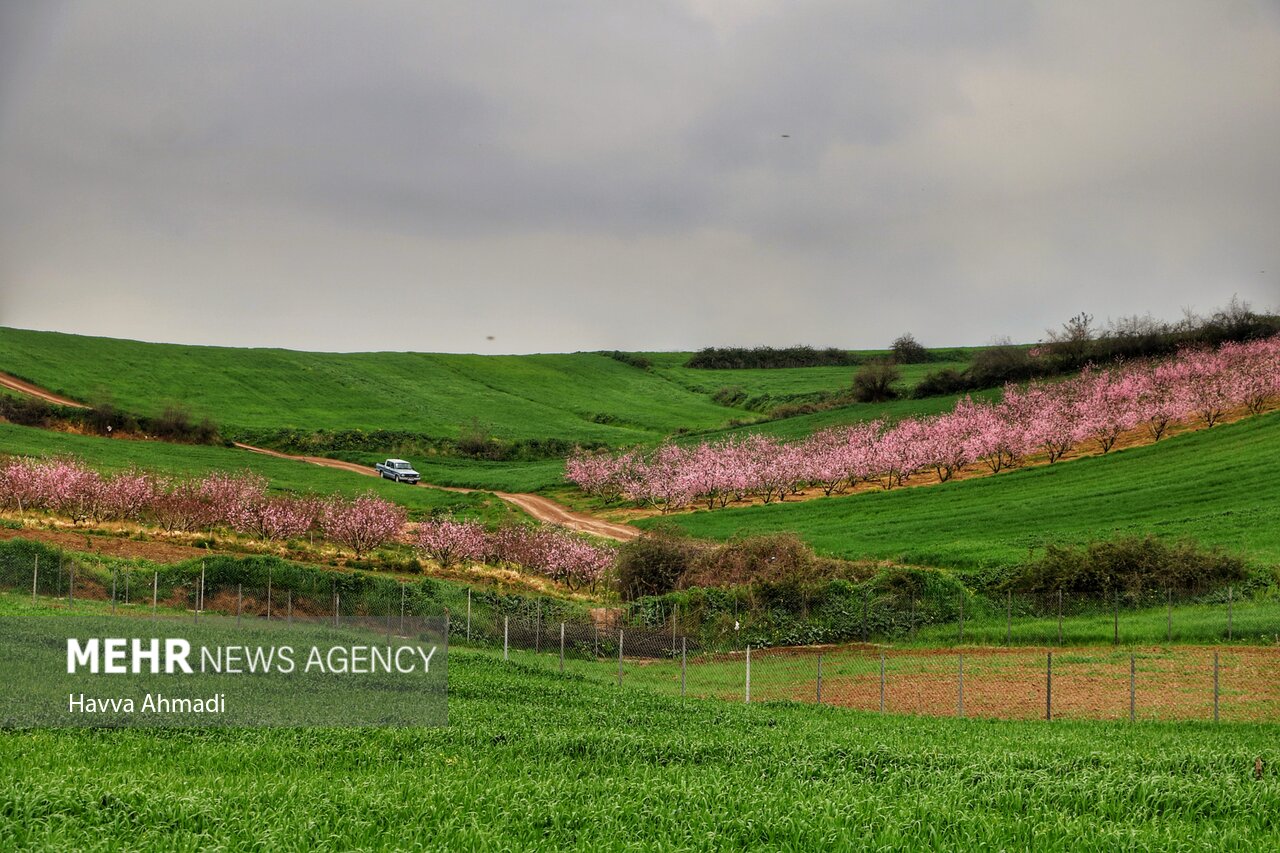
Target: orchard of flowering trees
<point>1093,409</point>
<point>551,551</point>
<point>238,502</point>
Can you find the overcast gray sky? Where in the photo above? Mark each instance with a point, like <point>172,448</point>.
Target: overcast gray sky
<point>664,174</point>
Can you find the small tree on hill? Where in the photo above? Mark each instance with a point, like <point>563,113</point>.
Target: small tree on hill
<point>907,350</point>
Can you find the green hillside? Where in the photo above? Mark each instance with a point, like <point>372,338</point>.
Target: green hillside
<point>108,454</point>
<point>584,397</point>
<point>533,760</point>
<point>1219,486</point>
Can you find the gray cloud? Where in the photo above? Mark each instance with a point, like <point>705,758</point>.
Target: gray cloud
<point>583,175</point>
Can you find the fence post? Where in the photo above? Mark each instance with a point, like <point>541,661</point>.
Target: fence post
<point>864,616</point>
<point>1048,687</point>
<point>337,602</point>
<point>268,595</point>
<point>960,688</point>
<point>537,630</point>
<point>1115,641</point>
<point>195,604</point>
<point>1008,617</point>
<point>1133,691</point>
<point>1059,617</point>
<point>200,600</point>
<point>882,682</point>
<point>819,694</point>
<point>402,597</point>
<point>595,650</point>
<point>126,586</point>
<point>113,588</point>
<point>505,623</point>
<point>675,609</point>
<point>619,657</point>
<point>1168,635</point>
<point>1230,625</point>
<point>961,637</point>
<point>748,695</point>
<point>468,614</point>
<point>562,648</point>
<point>684,651</point>
<point>35,577</point>
<point>155,594</point>
<point>1215,686</point>
<point>239,602</point>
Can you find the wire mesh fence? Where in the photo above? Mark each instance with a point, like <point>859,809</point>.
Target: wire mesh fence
<point>1026,662</point>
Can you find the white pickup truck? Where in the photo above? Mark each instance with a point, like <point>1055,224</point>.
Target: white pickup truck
<point>398,470</point>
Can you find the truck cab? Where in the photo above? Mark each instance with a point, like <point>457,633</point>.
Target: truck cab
<point>398,470</point>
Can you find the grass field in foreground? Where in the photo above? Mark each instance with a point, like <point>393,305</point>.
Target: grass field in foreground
<point>533,760</point>
<point>1218,486</point>
<point>107,455</point>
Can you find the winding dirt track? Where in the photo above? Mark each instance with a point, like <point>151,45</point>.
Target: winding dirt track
<point>537,506</point>
<point>13,383</point>
<point>543,509</point>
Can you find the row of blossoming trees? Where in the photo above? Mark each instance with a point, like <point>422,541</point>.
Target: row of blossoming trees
<point>1093,409</point>
<point>241,503</point>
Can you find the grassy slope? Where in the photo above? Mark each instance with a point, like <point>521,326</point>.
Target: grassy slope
<point>183,460</point>
<point>534,396</point>
<point>1220,486</point>
<point>532,760</point>
<point>519,396</point>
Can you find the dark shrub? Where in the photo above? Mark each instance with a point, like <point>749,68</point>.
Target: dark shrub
<point>941,382</point>
<point>652,563</point>
<point>730,395</point>
<point>1129,565</point>
<point>873,383</point>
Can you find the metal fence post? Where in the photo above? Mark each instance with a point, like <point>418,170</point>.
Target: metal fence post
<point>1168,634</point>
<point>1048,687</point>
<point>864,616</point>
<point>960,688</point>
<point>239,602</point>
<point>402,598</point>
<point>268,595</point>
<point>113,588</point>
<point>200,600</point>
<point>506,620</point>
<point>1215,686</point>
<point>537,630</point>
<point>562,648</point>
<point>748,694</point>
<point>468,614</point>
<point>619,657</point>
<point>819,694</point>
<point>675,609</point>
<point>1133,689</point>
<point>881,682</point>
<point>961,637</point>
<point>684,651</point>
<point>337,602</point>
<point>1008,617</point>
<point>195,604</point>
<point>1059,617</point>
<point>35,577</point>
<point>155,594</point>
<point>127,573</point>
<point>71,585</point>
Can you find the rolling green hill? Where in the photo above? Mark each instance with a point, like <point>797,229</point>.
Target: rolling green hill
<point>578,397</point>
<point>1218,486</point>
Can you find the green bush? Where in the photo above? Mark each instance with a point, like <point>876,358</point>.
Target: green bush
<point>1129,565</point>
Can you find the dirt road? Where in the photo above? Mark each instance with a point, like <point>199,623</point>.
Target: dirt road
<point>543,509</point>
<point>13,383</point>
